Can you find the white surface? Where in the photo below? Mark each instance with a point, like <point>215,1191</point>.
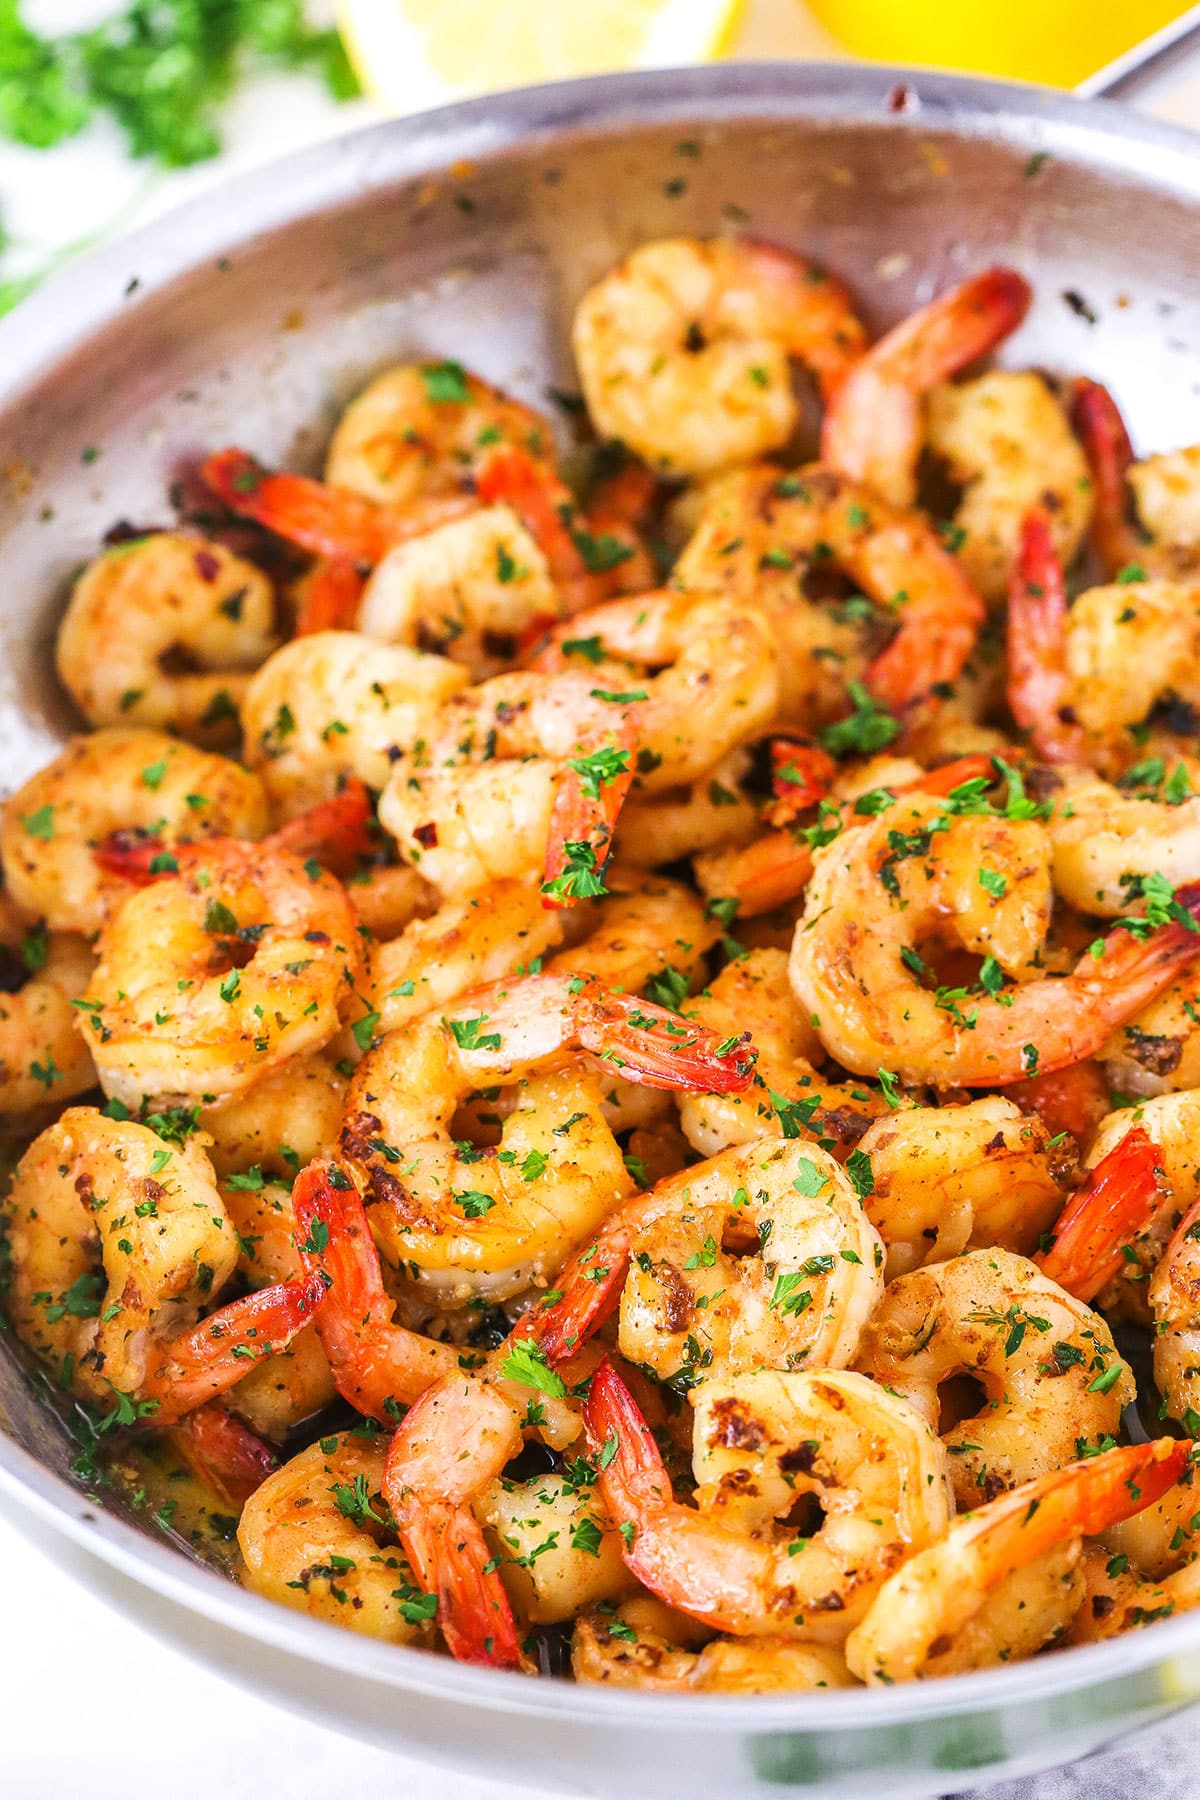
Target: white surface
<point>91,1705</point>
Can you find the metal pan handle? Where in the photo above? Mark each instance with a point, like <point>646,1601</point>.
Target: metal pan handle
<point>1125,78</point>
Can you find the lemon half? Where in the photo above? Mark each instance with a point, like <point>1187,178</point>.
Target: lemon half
<point>413,53</point>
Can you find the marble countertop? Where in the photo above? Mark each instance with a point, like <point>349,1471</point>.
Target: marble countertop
<point>91,1703</point>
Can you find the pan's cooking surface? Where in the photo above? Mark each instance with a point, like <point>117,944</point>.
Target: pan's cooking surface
<point>470,234</point>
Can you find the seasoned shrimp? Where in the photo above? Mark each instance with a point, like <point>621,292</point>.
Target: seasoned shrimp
<point>787,1094</point>
<point>713,813</point>
<point>717,686</point>
<point>1006,439</point>
<point>1147,513</point>
<point>1046,1363</point>
<point>644,1644</point>
<point>1157,1051</point>
<point>464,944</point>
<point>338,703</point>
<point>761,1257</point>
<point>1107,841</point>
<point>377,1364</point>
<point>144,605</point>
<point>471,590</point>
<point>124,785</point>
<point>558,1551</point>
<point>215,975</point>
<point>1174,1297</point>
<point>1088,684</point>
<point>524,774</point>
<point>684,349</point>
<point>417,431</point>
<point>315,1538</point>
<point>764,532</point>
<point>43,1059</point>
<point>647,934</point>
<point>762,1440</point>
<point>284,1390</point>
<point>118,1240</point>
<point>917,871</point>
<point>874,426</point>
<point>945,1179</point>
<point>1002,1581</point>
<point>468,1221</point>
<point>282,1122</point>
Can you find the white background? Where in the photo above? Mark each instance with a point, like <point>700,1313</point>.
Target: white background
<point>90,1705</point>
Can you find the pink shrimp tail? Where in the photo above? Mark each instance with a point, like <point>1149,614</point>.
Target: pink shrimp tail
<point>337,832</point>
<point>1037,664</point>
<point>589,1290</point>
<point>1116,1203</point>
<point>1101,429</point>
<point>330,596</point>
<point>214,1355</point>
<point>451,1559</point>
<point>655,1048</point>
<point>632,1474</point>
<point>330,522</point>
<point>801,775</point>
<point>584,820</point>
<point>230,1458</point>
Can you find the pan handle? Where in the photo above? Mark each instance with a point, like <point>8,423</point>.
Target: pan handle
<point>1125,78</point>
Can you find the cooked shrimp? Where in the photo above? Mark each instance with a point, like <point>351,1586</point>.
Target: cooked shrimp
<point>787,1094</point>
<point>1120,1198</point>
<point>1006,440</point>
<point>1001,1582</point>
<point>874,426</point>
<point>143,605</point>
<point>118,1240</point>
<point>717,685</point>
<point>558,1552</point>
<point>950,1178</point>
<point>684,349</point>
<point>1106,842</point>
<point>471,590</point>
<point>335,704</point>
<point>648,934</point>
<point>761,1257</point>
<point>284,1390</point>
<point>762,1440</point>
<point>916,871</point>
<point>1175,1301</point>
<point>43,1059</point>
<point>764,532</point>
<point>215,975</point>
<point>464,944</point>
<point>713,813</point>
<point>1046,1363</point>
<point>126,785</point>
<point>1157,1051</point>
<point>1147,513</point>
<point>1118,1598</point>
<point>469,1221</point>
<point>1083,681</point>
<point>377,1364</point>
<point>525,774</point>
<point>229,1458</point>
<point>644,1644</point>
<point>315,1537</point>
<point>417,431</point>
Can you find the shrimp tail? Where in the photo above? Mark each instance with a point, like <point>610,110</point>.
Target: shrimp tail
<point>1101,430</point>
<point>633,1476</point>
<point>451,1559</point>
<point>329,522</point>
<point>587,804</point>
<point>656,1048</point>
<point>1116,1203</point>
<point>223,1451</point>
<point>1074,1099</point>
<point>329,597</point>
<point>131,854</point>
<point>337,832</point>
<point>589,1290</point>
<point>801,775</point>
<point>1037,665</point>
<point>214,1355</point>
<point>1080,1500</point>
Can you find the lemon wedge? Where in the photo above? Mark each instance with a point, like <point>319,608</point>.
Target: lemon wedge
<point>413,53</point>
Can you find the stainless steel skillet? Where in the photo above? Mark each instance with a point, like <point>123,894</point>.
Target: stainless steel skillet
<point>250,316</point>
